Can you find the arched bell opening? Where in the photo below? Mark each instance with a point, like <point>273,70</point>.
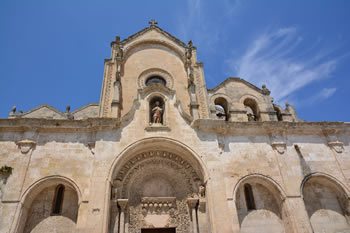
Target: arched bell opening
<point>252,109</point>
<point>221,108</point>
<point>158,188</point>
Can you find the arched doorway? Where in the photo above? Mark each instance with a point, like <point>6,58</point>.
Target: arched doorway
<point>326,203</point>
<point>158,186</point>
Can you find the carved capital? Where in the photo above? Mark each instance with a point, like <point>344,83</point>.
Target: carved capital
<point>192,202</point>
<point>26,145</point>
<point>336,146</point>
<point>280,147</point>
<point>123,204</point>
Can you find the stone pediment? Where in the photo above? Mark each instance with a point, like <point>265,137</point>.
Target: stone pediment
<point>44,111</point>
<point>236,80</point>
<point>156,30</point>
<point>87,111</point>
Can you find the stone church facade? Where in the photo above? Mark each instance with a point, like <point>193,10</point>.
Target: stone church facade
<point>162,153</point>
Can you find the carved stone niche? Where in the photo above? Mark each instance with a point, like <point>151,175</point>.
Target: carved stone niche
<point>158,205</point>
<point>336,146</point>
<point>280,147</point>
<point>26,145</point>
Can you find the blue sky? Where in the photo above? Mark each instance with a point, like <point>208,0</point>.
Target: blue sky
<point>52,52</point>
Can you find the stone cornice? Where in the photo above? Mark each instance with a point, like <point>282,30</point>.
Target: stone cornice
<point>53,125</point>
<point>205,125</point>
<point>271,127</point>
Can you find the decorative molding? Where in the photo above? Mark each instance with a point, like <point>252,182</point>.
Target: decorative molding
<point>156,88</point>
<point>26,145</point>
<point>280,147</point>
<point>155,127</point>
<point>155,72</point>
<point>158,205</point>
<point>122,203</point>
<point>336,146</point>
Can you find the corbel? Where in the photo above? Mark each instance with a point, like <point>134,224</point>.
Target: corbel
<point>280,147</point>
<point>26,145</point>
<point>336,146</point>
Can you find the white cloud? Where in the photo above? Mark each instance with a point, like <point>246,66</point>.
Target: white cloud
<point>325,93</point>
<point>275,59</point>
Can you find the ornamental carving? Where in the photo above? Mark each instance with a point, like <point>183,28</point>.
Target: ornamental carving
<point>280,147</point>
<point>26,145</point>
<point>158,185</point>
<point>155,72</point>
<point>336,146</point>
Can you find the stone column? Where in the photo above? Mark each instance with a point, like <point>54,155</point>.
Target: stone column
<point>192,205</point>
<point>203,225</point>
<point>122,204</point>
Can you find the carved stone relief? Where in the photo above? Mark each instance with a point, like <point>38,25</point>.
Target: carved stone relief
<point>157,185</point>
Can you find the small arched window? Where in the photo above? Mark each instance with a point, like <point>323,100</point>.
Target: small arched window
<point>156,110</point>
<point>249,197</point>
<point>278,113</point>
<point>221,108</point>
<point>58,200</point>
<point>155,80</point>
<point>251,108</point>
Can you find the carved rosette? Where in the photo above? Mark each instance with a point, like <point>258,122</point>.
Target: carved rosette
<point>336,146</point>
<point>280,147</point>
<point>26,145</point>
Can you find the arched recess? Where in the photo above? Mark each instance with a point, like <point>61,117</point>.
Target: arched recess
<point>259,202</point>
<point>39,201</point>
<point>252,109</point>
<point>145,44</point>
<point>327,203</point>
<point>163,183</point>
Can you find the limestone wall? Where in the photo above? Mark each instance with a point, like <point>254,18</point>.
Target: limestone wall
<point>84,157</point>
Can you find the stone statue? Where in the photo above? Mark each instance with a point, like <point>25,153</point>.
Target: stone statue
<point>157,113</point>
<point>265,91</point>
<point>119,49</point>
<point>69,115</point>
<point>201,191</point>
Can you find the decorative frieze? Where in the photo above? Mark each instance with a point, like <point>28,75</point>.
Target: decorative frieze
<point>158,205</point>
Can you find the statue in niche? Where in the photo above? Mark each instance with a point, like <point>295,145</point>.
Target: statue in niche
<point>157,113</point>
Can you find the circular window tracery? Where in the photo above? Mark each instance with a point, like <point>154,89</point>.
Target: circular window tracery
<point>156,79</point>
<point>155,75</point>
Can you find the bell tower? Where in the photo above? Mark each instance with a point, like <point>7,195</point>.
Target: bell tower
<point>152,52</point>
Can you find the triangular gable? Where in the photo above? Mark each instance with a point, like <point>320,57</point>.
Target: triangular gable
<point>235,79</point>
<point>44,111</point>
<point>158,29</point>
